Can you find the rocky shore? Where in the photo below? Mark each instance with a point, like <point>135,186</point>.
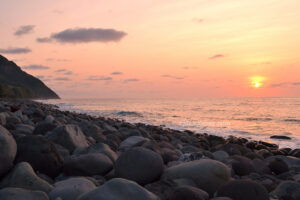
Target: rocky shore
<point>47,154</point>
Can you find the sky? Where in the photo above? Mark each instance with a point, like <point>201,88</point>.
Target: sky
<point>154,48</point>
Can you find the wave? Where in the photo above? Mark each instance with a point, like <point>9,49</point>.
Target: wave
<point>129,113</point>
<point>292,120</point>
<point>256,119</point>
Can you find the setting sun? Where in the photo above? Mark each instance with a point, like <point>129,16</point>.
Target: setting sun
<point>257,81</point>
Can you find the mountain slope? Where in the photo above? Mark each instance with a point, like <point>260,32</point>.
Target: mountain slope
<point>15,83</point>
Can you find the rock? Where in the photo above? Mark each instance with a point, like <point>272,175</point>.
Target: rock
<point>49,119</point>
<point>23,176</point>
<point>278,166</point>
<point>42,155</point>
<point>295,153</point>
<point>2,119</point>
<point>103,148</point>
<point>72,188</point>
<point>220,155</point>
<point>287,190</point>
<point>119,189</point>
<point>132,141</point>
<point>243,190</point>
<point>22,194</point>
<point>168,155</point>
<point>188,193</point>
<point>92,130</point>
<point>87,165</point>
<point>292,162</point>
<point>187,157</point>
<point>162,188</point>
<point>139,164</point>
<point>261,166</point>
<point>69,136</point>
<point>43,127</point>
<point>8,150</point>
<point>242,166</point>
<point>209,175</point>
<point>222,198</point>
<point>280,137</point>
<point>11,122</point>
<point>24,129</point>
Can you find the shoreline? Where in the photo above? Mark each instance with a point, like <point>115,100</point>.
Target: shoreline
<point>152,161</point>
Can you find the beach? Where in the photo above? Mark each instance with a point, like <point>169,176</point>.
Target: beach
<point>48,153</point>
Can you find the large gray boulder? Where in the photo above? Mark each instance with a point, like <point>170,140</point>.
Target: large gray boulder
<point>209,175</point>
<point>103,148</point>
<point>87,165</point>
<point>132,141</point>
<point>119,189</point>
<point>287,190</point>
<point>23,176</point>
<point>8,150</point>
<point>41,153</point>
<point>243,189</point>
<point>139,164</point>
<point>22,194</point>
<point>72,188</point>
<point>69,136</point>
<point>92,130</point>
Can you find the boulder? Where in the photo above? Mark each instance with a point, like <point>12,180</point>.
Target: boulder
<point>43,127</point>
<point>2,119</point>
<point>22,194</point>
<point>209,175</point>
<point>139,164</point>
<point>242,166</point>
<point>280,137</point>
<point>23,176</point>
<point>287,190</point>
<point>278,166</point>
<point>132,141</point>
<point>71,189</point>
<point>92,130</point>
<point>69,136</point>
<point>220,155</point>
<point>243,190</point>
<point>24,129</point>
<point>8,150</point>
<point>41,153</point>
<point>87,165</point>
<point>188,193</point>
<point>119,189</point>
<point>103,148</point>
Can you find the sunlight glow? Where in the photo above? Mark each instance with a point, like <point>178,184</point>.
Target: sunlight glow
<point>257,81</point>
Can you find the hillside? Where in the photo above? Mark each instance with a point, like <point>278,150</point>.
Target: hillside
<point>15,83</point>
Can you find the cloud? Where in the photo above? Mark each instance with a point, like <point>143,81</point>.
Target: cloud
<point>23,30</point>
<point>99,78</point>
<point>116,73</point>
<point>131,80</point>
<point>285,84</point>
<point>15,50</point>
<point>64,71</point>
<point>44,40</point>
<point>62,79</point>
<point>198,20</point>
<point>36,67</point>
<point>85,35</point>
<point>172,77</point>
<point>217,56</point>
<point>57,60</point>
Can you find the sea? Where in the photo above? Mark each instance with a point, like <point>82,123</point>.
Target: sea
<point>251,118</point>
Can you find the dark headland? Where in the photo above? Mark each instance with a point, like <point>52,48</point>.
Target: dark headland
<point>15,83</point>
<point>47,154</point>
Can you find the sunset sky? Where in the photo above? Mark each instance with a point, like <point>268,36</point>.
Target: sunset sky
<point>155,48</point>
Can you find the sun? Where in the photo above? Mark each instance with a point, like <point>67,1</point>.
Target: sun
<point>257,81</point>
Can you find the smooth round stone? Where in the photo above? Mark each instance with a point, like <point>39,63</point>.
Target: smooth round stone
<point>288,190</point>
<point>22,194</point>
<point>242,166</point>
<point>72,188</point>
<point>278,166</point>
<point>220,155</point>
<point>243,190</point>
<point>188,193</point>
<point>132,141</point>
<point>139,164</point>
<point>119,189</point>
<point>8,150</point>
<point>208,174</point>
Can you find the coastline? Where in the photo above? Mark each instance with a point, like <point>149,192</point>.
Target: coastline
<point>154,162</point>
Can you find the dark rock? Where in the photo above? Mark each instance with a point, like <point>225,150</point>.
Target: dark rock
<point>22,194</point>
<point>42,155</point>
<point>280,137</point>
<point>43,127</point>
<point>162,188</point>
<point>287,190</point>
<point>168,155</point>
<point>87,165</point>
<point>278,166</point>
<point>92,130</point>
<point>188,193</point>
<point>295,153</point>
<point>139,164</point>
<point>243,190</point>
<point>242,166</point>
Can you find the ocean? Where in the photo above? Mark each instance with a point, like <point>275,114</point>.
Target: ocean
<point>251,118</point>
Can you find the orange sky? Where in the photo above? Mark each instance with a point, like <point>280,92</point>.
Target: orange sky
<point>170,48</point>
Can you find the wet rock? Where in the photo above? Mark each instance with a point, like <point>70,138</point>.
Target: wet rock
<point>22,194</point>
<point>72,188</point>
<point>287,190</point>
<point>244,190</point>
<point>120,189</point>
<point>23,176</point>
<point>188,193</point>
<point>87,165</point>
<point>8,150</point>
<point>280,137</point>
<point>278,166</point>
<point>139,164</point>
<point>209,175</point>
<point>69,136</point>
<point>42,155</point>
